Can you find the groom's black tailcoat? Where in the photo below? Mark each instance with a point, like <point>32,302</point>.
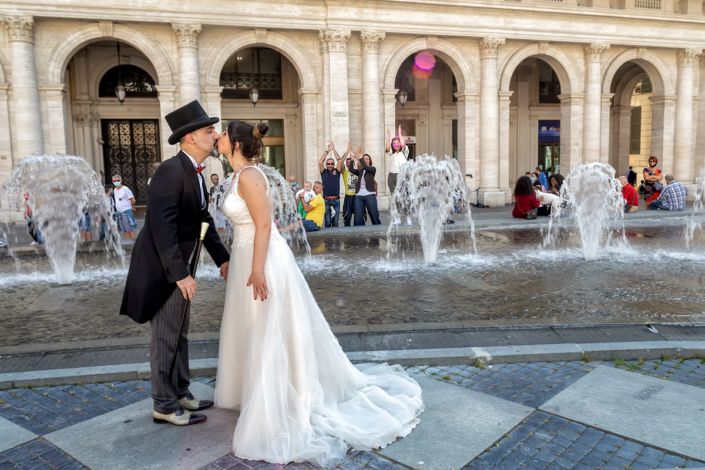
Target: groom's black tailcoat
<point>171,228</point>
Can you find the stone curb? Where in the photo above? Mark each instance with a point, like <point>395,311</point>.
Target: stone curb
<point>440,356</point>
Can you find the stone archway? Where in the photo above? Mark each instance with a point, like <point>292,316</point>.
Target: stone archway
<point>567,72</point>
<point>467,83</point>
<point>662,105</point>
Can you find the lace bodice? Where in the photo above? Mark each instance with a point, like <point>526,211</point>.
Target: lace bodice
<point>235,209</point>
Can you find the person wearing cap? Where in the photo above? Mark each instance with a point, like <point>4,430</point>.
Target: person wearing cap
<point>672,197</point>
<point>159,283</point>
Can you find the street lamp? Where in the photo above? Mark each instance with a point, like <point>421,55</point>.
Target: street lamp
<point>120,90</point>
<point>254,96</point>
<point>402,97</point>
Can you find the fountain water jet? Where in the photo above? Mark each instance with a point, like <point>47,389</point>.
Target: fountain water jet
<point>60,189</point>
<point>695,219</point>
<point>429,189</point>
<point>592,197</point>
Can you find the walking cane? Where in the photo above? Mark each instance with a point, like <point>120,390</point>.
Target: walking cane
<point>193,263</point>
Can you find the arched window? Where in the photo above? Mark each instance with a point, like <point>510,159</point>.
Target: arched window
<point>254,67</point>
<point>137,82</point>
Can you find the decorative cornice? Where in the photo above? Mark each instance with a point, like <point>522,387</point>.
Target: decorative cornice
<point>334,40</point>
<point>688,56</point>
<point>489,47</point>
<point>371,40</point>
<point>20,28</point>
<point>187,34</point>
<point>594,51</point>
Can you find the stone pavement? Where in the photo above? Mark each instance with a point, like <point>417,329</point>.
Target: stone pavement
<point>536,415</point>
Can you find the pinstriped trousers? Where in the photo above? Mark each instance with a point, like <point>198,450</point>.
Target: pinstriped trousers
<point>167,390</point>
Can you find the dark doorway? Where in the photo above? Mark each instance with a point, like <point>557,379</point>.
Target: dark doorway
<point>129,149</point>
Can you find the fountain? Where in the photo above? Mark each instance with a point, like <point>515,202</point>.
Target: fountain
<point>60,189</point>
<point>429,189</point>
<point>695,219</point>
<point>284,212</point>
<point>592,197</point>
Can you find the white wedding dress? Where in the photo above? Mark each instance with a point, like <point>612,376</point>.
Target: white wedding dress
<point>300,398</point>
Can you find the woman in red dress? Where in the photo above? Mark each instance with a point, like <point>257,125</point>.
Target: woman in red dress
<point>525,200</point>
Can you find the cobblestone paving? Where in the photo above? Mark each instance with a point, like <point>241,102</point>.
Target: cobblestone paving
<point>531,384</point>
<point>37,454</point>
<point>546,441</point>
<point>542,441</point>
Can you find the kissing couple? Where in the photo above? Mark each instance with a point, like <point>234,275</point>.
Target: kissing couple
<point>299,398</point>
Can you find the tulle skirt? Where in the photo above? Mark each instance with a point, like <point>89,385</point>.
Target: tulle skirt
<point>300,398</point>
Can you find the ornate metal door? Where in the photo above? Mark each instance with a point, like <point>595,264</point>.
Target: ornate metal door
<point>129,149</point>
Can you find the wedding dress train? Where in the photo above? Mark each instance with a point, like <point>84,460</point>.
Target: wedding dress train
<point>300,398</point>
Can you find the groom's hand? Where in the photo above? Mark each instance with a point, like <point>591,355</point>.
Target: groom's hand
<point>188,287</point>
<point>224,270</point>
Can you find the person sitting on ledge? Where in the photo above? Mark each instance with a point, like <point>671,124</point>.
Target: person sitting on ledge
<point>672,197</point>
<point>526,202</point>
<point>630,196</point>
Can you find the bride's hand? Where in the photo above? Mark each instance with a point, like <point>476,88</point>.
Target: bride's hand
<point>259,285</point>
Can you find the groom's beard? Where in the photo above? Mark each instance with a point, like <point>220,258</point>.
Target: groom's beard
<point>214,152</point>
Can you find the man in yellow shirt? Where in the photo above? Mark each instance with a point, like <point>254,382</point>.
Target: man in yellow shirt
<point>316,209</point>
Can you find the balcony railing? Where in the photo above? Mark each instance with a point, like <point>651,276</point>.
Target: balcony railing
<point>684,7</point>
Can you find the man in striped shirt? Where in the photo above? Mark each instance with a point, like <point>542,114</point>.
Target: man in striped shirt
<point>672,198</point>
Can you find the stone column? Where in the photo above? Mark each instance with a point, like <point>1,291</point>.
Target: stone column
<point>167,103</point>
<point>55,126</point>
<point>605,105</point>
<point>389,104</point>
<point>663,123</point>
<point>25,94</point>
<point>189,79</point>
<point>467,136</point>
<point>571,131</point>
<point>504,100</point>
<point>5,136</point>
<point>372,136</point>
<point>684,164</point>
<point>308,99</point>
<point>593,102</point>
<point>212,103</point>
<point>335,46</point>
<point>489,125</point>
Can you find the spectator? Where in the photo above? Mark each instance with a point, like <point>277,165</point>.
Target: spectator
<point>631,197</point>
<point>86,226</point>
<point>350,182</point>
<point>631,177</point>
<point>315,210</point>
<point>366,190</point>
<point>293,184</point>
<point>546,199</point>
<point>330,176</point>
<point>34,232</point>
<point>307,194</point>
<point>652,180</point>
<point>125,206</point>
<point>555,183</point>
<point>397,153</point>
<point>672,197</point>
<point>525,201</point>
<point>543,179</point>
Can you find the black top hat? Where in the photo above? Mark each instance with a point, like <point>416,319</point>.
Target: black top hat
<point>187,119</point>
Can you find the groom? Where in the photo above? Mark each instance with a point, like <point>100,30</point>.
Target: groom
<point>158,282</point>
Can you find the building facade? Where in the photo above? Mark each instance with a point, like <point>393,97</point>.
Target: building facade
<point>503,86</point>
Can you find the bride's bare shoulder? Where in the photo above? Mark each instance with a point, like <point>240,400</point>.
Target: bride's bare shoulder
<point>251,178</point>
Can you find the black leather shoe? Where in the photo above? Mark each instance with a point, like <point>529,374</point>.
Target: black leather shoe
<point>178,418</point>
<point>195,405</point>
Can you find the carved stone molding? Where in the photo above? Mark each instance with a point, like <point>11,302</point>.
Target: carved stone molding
<point>688,56</point>
<point>593,52</point>
<point>20,28</point>
<point>371,41</point>
<point>187,34</point>
<point>334,40</point>
<point>489,47</point>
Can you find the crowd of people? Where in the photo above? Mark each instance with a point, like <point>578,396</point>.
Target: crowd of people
<point>536,193</point>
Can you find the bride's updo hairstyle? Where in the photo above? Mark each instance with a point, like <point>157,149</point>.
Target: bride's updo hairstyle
<point>249,136</point>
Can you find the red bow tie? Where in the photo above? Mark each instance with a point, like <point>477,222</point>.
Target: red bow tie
<point>200,168</point>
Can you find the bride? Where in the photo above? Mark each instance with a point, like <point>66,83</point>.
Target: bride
<point>300,398</point>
